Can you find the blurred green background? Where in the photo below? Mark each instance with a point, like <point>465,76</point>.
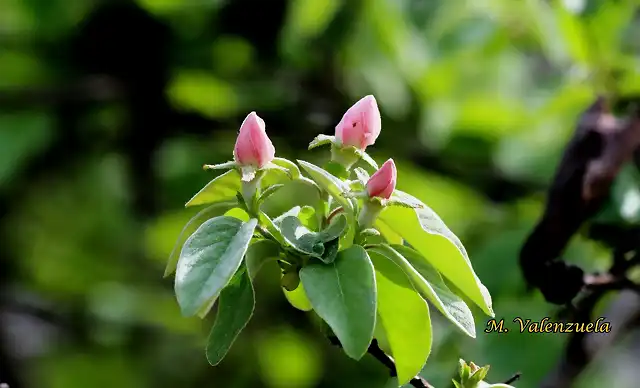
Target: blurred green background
<point>108,110</point>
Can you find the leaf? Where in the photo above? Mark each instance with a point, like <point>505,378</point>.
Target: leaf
<point>209,259</point>
<point>428,234</point>
<point>343,294</point>
<point>330,251</point>
<point>294,171</point>
<point>272,228</point>
<point>235,308</point>
<point>302,239</point>
<point>321,140</point>
<point>431,286</point>
<point>362,175</point>
<point>260,253</point>
<point>387,233</point>
<point>368,160</point>
<point>313,243</point>
<point>270,190</point>
<point>222,188</point>
<point>298,298</point>
<point>335,229</point>
<point>404,315</point>
<point>332,185</point>
<point>209,212</point>
<point>293,212</point>
<point>221,166</point>
<point>335,187</point>
<point>307,216</point>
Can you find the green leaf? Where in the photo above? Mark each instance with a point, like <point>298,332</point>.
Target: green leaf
<point>330,251</point>
<point>313,243</point>
<point>456,384</point>
<point>321,140</point>
<point>387,233</point>
<point>259,253</point>
<point>235,308</point>
<point>271,227</point>
<point>428,234</point>
<point>479,375</point>
<point>221,166</point>
<point>404,315</point>
<point>332,185</point>
<point>298,298</point>
<point>428,282</point>
<point>209,259</point>
<point>343,294</point>
<point>222,188</point>
<point>294,171</point>
<point>270,190</point>
<point>335,229</point>
<point>308,217</point>
<point>293,212</point>
<point>368,160</point>
<point>209,212</point>
<point>302,239</point>
<point>362,175</point>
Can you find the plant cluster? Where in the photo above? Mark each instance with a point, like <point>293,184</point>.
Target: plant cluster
<point>364,256</point>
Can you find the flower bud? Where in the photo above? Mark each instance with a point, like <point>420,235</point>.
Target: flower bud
<point>383,182</point>
<point>253,147</point>
<point>361,124</point>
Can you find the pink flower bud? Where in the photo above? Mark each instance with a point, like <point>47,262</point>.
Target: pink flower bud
<point>383,182</point>
<point>253,147</point>
<point>360,126</point>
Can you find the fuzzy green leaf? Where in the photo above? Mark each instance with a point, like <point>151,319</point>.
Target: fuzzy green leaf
<point>222,188</point>
<point>344,295</point>
<point>209,258</point>
<point>431,286</point>
<point>212,211</point>
<point>404,315</point>
<point>428,234</point>
<point>235,308</point>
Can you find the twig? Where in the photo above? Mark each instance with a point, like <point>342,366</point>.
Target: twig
<point>377,353</point>
<point>513,378</point>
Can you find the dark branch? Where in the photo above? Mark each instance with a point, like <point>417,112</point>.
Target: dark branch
<point>601,145</point>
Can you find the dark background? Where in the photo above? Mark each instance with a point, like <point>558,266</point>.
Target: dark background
<point>108,110</point>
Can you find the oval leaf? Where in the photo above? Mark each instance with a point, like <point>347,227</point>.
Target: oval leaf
<point>428,282</point>
<point>209,259</point>
<point>404,316</point>
<point>428,234</point>
<point>209,212</point>
<point>235,308</point>
<point>222,188</point>
<point>343,294</point>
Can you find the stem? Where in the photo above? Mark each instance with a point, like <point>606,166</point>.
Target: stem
<point>250,194</point>
<point>369,213</point>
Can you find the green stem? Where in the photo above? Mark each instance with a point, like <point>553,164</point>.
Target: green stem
<point>368,214</point>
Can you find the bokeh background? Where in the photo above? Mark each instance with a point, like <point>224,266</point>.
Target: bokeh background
<point>108,110</point>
